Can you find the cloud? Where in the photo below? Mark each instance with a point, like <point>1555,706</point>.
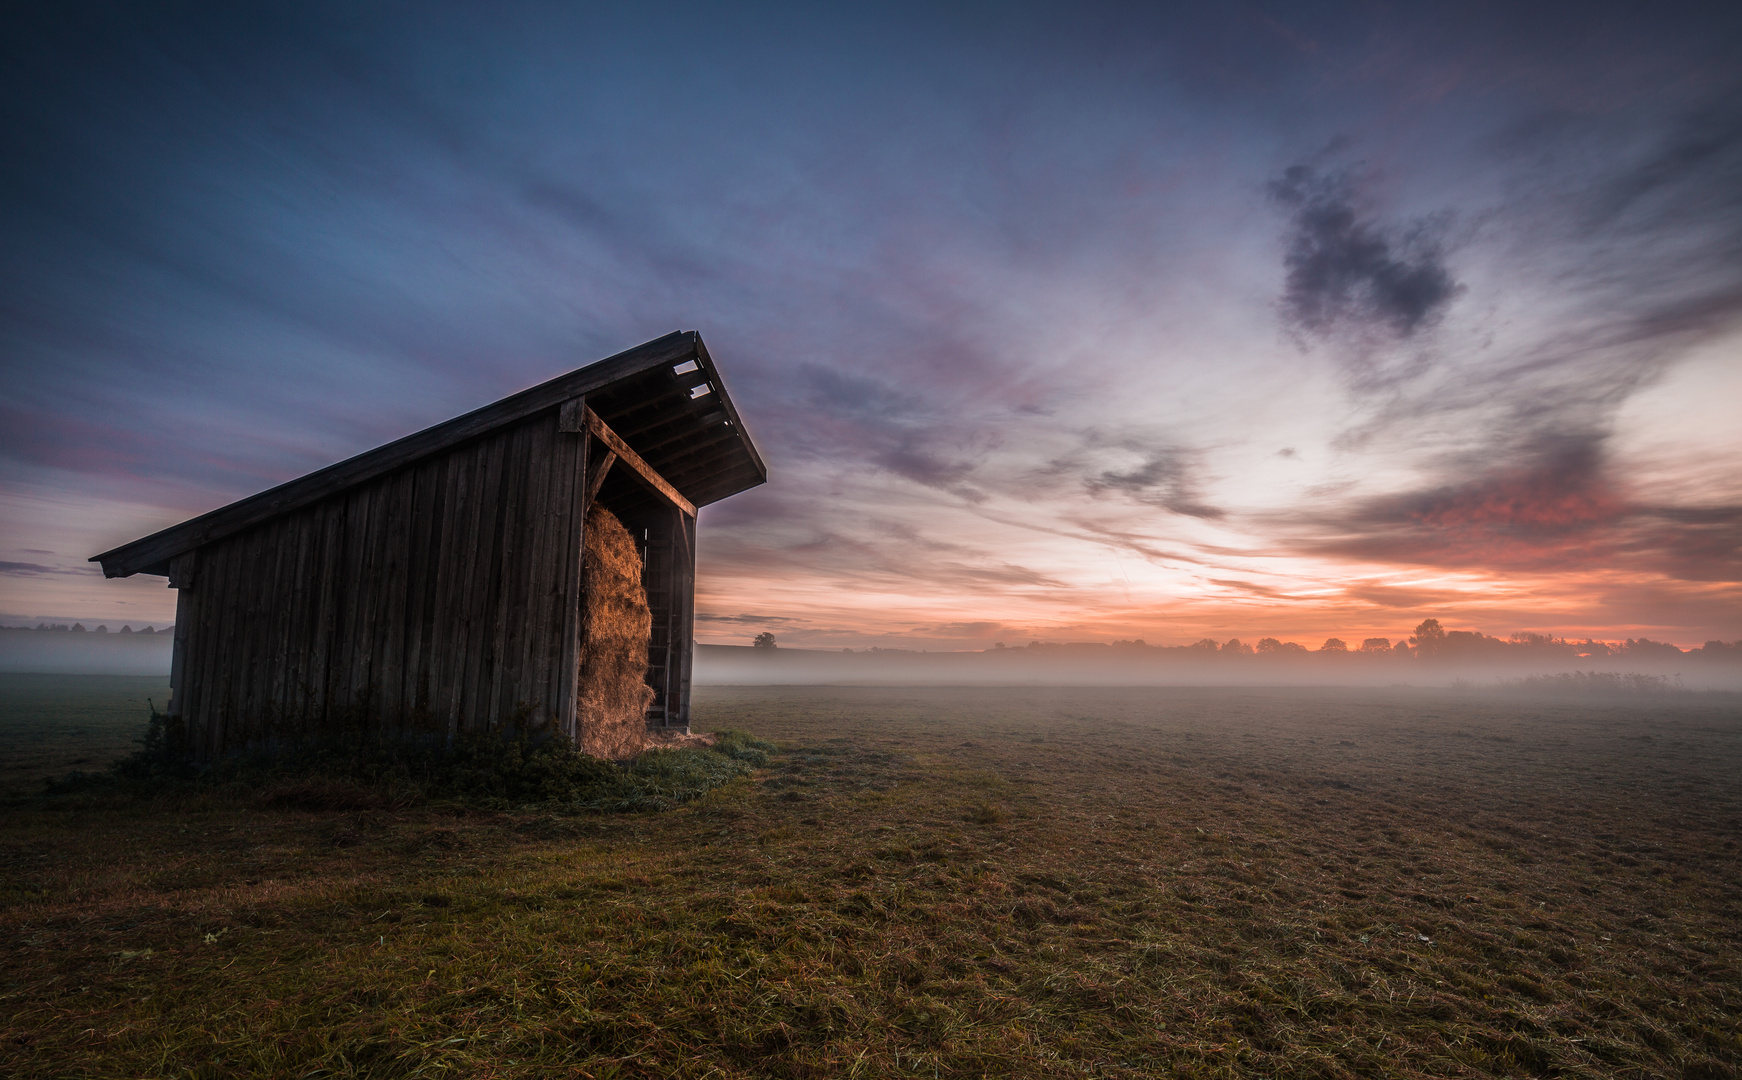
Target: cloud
<point>1253,588</point>
<point>1167,475</point>
<point>1558,510</point>
<point>749,620</point>
<point>30,569</point>
<point>1393,596</point>
<point>1344,272</point>
<point>1622,242</point>
<point>972,630</point>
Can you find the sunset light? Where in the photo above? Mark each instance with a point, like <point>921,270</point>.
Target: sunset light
<point>1313,334</point>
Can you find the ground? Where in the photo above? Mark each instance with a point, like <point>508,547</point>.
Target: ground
<point>956,882</point>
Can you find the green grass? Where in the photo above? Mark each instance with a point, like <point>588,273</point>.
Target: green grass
<point>55,724</point>
<point>976,882</point>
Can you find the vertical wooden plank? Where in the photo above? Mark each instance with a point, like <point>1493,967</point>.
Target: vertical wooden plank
<point>527,661</point>
<point>507,568</point>
<point>336,576</point>
<point>194,668</point>
<point>247,663</point>
<point>367,603</point>
<point>274,630</point>
<point>351,608</point>
<point>234,641</point>
<point>299,666</point>
<point>354,665</point>
<point>544,576</point>
<point>535,569</point>
<point>389,589</point>
<point>265,624</point>
<point>208,634</point>
<point>486,579</point>
<point>330,563</point>
<point>220,626</point>
<point>427,508</point>
<point>395,584</point>
<point>524,572</point>
<point>462,524</point>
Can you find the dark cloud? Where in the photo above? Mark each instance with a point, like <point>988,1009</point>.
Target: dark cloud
<point>1344,272</point>
<point>1167,478</point>
<point>30,569</point>
<point>1558,510</point>
<point>26,569</point>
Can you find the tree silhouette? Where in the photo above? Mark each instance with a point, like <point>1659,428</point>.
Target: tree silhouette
<point>764,640</point>
<point>1429,636</point>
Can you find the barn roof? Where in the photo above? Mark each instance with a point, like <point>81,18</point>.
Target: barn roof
<point>665,399</point>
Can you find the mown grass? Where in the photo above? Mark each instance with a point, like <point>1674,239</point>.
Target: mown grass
<point>941,882</point>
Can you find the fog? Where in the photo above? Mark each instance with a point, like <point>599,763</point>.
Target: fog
<point>84,652</point>
<point>1658,670</point>
<point>1536,666</point>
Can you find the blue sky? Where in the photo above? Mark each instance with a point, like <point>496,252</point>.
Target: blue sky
<point>1066,322</point>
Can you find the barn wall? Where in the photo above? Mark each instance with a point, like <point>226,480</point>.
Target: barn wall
<point>434,597</point>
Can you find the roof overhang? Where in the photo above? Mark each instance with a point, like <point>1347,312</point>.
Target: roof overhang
<point>665,399</point>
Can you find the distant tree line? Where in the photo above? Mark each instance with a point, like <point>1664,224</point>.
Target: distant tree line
<point>1431,641</point>
<point>79,628</point>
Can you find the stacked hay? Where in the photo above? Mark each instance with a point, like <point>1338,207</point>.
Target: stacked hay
<point>614,692</point>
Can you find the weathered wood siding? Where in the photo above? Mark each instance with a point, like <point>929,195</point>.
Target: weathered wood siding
<point>433,597</point>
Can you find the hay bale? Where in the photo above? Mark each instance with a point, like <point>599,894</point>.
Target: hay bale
<point>614,692</point>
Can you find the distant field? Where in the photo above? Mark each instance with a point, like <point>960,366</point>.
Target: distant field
<point>51,724</point>
<point>968,882</point>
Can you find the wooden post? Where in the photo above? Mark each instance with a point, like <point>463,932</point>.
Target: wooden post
<point>181,579</point>
<point>572,420</point>
<point>684,623</point>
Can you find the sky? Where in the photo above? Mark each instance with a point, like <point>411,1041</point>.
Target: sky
<point>1075,322</point>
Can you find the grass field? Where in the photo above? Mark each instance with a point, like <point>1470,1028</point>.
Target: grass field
<point>940,882</point>
<point>53,724</point>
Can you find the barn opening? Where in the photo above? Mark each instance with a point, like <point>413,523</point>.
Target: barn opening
<point>527,568</point>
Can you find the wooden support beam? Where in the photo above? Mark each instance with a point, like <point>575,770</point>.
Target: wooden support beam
<point>181,569</point>
<point>598,480</point>
<point>629,457</point>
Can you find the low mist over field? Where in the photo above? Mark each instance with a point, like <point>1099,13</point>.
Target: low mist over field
<point>1654,669</point>
<point>74,649</point>
<point>1525,663</point>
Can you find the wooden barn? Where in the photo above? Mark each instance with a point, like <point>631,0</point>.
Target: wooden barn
<point>437,583</point>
